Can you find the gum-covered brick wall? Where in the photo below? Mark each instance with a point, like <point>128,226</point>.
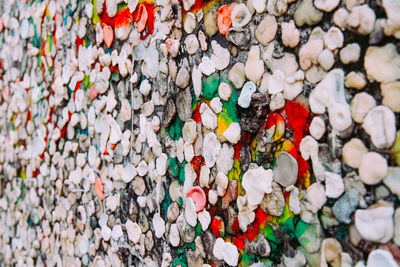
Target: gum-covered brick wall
<point>200,133</point>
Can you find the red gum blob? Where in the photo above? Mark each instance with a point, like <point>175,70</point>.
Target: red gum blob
<point>277,120</point>
<point>144,13</point>
<point>78,42</point>
<point>123,18</point>
<point>289,147</point>
<point>199,197</point>
<point>98,187</point>
<point>218,227</point>
<point>93,93</point>
<point>297,115</point>
<point>197,163</point>
<point>224,18</point>
<point>108,34</point>
<point>140,17</point>
<point>6,93</point>
<point>196,114</point>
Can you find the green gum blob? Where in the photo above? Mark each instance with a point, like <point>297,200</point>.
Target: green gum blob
<point>175,129</point>
<point>210,86</point>
<point>230,106</point>
<point>173,166</point>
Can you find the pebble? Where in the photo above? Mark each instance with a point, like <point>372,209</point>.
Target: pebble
<point>116,232</point>
<point>392,24</point>
<point>133,230</point>
<point>353,152</point>
<point>190,23</point>
<point>306,13</point>
<point>174,238</point>
<point>396,237</point>
<point>266,30</point>
<point>187,4</point>
<point>361,19</point>
<point>224,91</point>
<point>350,53</point>
<point>290,34</point>
<point>259,6</point>
<point>331,90</point>
<point>161,164</point>
<point>391,95</point>
<point>331,251</point>
<point>191,42</point>
<point>188,151</point>
<point>254,68</point>
<point>375,223</point>
<point>128,173</point>
<point>257,182</point>
<point>326,59</point>
<point>232,133</point>
<point>240,16</point>
<point>373,168</point>
<point>276,82</point>
<point>222,183</point>
<point>274,203</point>
<point>204,176</point>
<point>326,5</point>
<point>105,233</point>
<point>286,169</point>
<point>220,56</point>
<point>245,95</point>
<point>309,52</point>
<point>333,39</point>
<point>317,128</point>
<point>184,104</point>
<point>204,219</point>
<point>210,22</point>
<point>190,212</point>
<point>226,251</point>
<point>237,76</point>
<point>346,205</point>
<point>196,80</point>
<point>142,168</point>
<point>182,78</point>
<point>173,211</point>
<point>208,117</point>
<point>240,37</point>
<point>316,197</point>
<point>309,238</point>
<point>159,225</point>
<point>355,80</point>
<point>211,148</point>
<point>145,87</point>
<point>391,180</point>
<point>361,104</point>
<point>189,133</point>
<point>216,105</point>
<point>379,124</point>
<point>380,257</point>
<point>334,186</point>
<point>382,64</point>
<point>207,66</point>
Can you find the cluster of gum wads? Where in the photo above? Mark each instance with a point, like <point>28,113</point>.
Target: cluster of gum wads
<point>199,133</point>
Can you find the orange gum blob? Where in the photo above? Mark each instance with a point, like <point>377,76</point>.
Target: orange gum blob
<point>224,18</point>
